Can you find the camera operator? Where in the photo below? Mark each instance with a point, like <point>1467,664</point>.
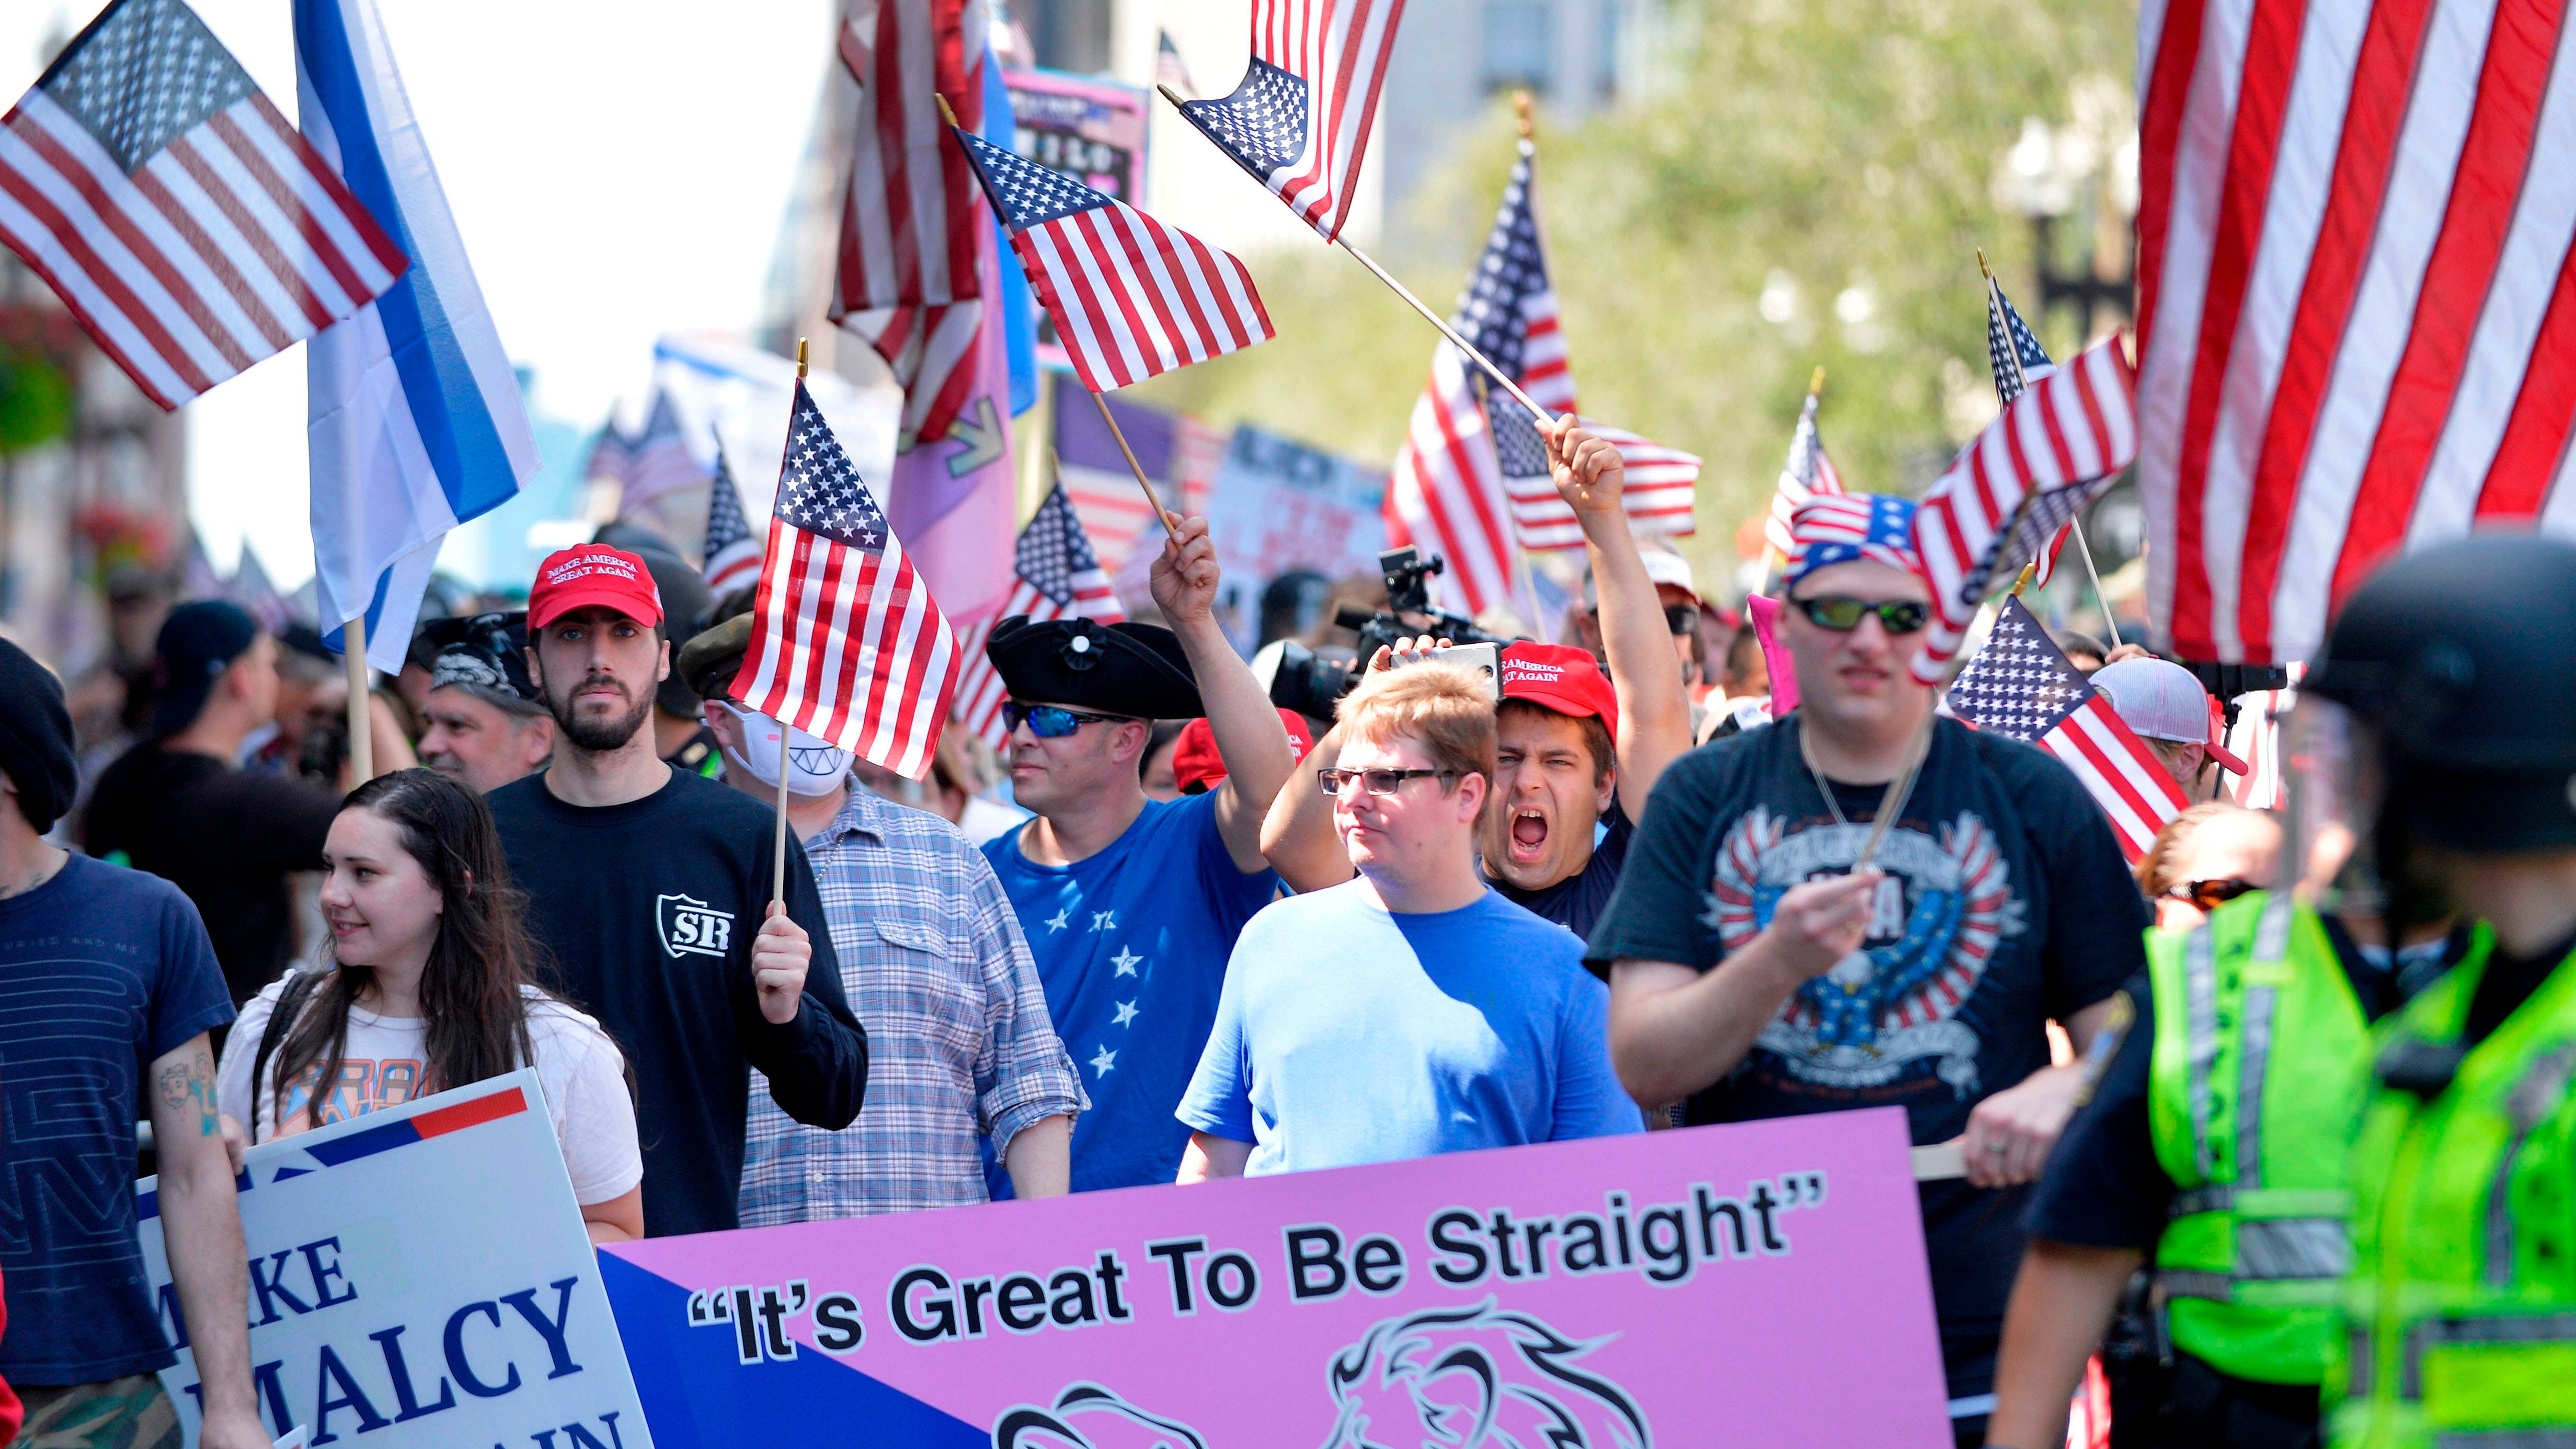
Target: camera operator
<point>1573,752</point>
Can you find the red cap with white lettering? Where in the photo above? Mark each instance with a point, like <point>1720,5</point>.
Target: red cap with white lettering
<point>1562,678</point>
<point>593,573</point>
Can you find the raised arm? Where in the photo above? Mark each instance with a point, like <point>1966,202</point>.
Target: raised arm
<point>202,1232</point>
<point>1249,737</point>
<point>1654,713</point>
<point>1298,837</point>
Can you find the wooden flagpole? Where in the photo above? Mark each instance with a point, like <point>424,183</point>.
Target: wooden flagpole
<point>778,848</point>
<point>2082,545</point>
<point>1486,364</point>
<point>362,736</point>
<point>1133,466</point>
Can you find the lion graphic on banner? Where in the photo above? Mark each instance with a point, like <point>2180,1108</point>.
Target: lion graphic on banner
<point>1476,1377</point>
<point>1087,1416</point>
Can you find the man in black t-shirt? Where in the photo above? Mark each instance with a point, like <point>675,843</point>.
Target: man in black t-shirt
<point>1576,753</point>
<point>1755,974</point>
<point>177,806</point>
<point>651,888</point>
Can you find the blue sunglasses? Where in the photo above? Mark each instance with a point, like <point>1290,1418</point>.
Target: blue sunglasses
<point>1050,721</point>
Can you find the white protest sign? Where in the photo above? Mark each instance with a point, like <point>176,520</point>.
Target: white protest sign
<point>420,1276</point>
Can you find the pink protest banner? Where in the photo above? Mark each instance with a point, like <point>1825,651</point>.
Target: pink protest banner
<point>1757,1284</point>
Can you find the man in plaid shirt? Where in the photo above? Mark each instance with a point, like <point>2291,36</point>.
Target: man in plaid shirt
<point>932,959</point>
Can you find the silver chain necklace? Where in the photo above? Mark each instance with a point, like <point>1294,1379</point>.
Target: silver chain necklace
<point>1893,808</point>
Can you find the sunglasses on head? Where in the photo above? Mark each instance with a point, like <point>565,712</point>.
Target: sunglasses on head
<point>1842,615</point>
<point>2209,895</point>
<point>1052,721</point>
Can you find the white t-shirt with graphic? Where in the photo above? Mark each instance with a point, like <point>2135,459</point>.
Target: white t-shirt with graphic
<point>580,1069</point>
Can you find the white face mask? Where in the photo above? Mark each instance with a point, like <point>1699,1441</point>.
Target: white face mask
<point>815,766</point>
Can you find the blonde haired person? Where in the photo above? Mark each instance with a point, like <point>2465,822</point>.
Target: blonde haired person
<point>2205,857</point>
<point>1411,1010</point>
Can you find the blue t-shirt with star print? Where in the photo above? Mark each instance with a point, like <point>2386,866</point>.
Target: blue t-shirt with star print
<point>1131,946</point>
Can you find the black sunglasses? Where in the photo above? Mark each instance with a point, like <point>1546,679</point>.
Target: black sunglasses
<point>2209,895</point>
<point>1052,721</point>
<point>1681,618</point>
<point>1842,615</point>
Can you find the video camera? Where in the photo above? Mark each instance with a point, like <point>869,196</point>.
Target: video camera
<point>1312,681</point>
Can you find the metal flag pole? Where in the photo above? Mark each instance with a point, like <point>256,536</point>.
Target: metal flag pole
<point>1133,466</point>
<point>2082,544</point>
<point>362,739</point>
<point>1484,363</point>
<point>778,847</point>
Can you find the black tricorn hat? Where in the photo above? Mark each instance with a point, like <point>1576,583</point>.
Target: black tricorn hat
<point>1137,670</point>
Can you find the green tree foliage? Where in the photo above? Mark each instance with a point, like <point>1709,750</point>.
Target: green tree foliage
<point>1840,156</point>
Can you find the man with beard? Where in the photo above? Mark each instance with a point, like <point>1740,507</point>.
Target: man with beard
<point>645,882</point>
<point>1576,753</point>
<point>484,722</point>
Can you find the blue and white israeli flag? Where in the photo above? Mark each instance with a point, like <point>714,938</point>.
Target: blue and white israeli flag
<point>415,422</point>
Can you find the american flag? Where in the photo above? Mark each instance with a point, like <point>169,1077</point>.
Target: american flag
<point>651,463</point>
<point>1299,121</point>
<point>1809,473</point>
<point>906,275</point>
<point>1168,70</point>
<point>2032,470</point>
<point>731,551</point>
<point>846,643</point>
<point>1447,490</point>
<point>2355,316</point>
<point>2018,360</point>
<point>1130,296</point>
<point>187,226</point>
<point>1661,488</point>
<point>2021,687</point>
<point>1059,577</point>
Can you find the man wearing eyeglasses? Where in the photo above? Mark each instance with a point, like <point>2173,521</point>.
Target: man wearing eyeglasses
<point>1413,1010</point>
<point>1131,905</point>
<point>1756,973</point>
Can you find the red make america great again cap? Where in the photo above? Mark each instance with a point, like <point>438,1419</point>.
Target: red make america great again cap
<point>1562,678</point>
<point>593,573</point>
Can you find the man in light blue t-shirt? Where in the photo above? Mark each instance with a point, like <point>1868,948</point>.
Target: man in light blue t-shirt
<point>1130,905</point>
<point>1412,1010</point>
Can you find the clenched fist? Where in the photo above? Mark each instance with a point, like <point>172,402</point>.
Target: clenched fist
<point>1823,921</point>
<point>779,955</point>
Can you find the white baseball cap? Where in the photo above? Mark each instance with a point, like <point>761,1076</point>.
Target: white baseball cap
<point>2158,700</point>
<point>1668,570</point>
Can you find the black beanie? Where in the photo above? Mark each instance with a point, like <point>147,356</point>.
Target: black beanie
<point>35,738</point>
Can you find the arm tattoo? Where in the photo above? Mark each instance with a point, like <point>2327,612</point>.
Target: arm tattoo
<point>190,1081</point>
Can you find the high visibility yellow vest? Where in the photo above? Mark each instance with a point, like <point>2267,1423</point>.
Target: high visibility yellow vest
<point>2462,1302</point>
<point>2255,1090</point>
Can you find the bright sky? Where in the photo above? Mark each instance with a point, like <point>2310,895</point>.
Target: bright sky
<point>618,171</point>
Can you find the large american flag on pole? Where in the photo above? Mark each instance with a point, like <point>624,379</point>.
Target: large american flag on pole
<point>189,228</point>
<point>1058,577</point>
<point>1809,473</point>
<point>1447,490</point>
<point>1130,296</point>
<point>2018,360</point>
<point>2054,450</point>
<point>2021,687</point>
<point>1299,120</point>
<point>846,643</point>
<point>906,277</point>
<point>2357,298</point>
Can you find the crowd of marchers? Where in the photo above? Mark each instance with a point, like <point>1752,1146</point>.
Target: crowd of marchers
<point>1477,907</point>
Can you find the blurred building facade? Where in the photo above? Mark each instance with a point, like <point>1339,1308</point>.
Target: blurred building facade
<point>93,489</point>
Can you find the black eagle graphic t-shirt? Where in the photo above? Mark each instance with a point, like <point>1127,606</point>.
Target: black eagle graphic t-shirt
<point>2006,904</point>
<point>648,910</point>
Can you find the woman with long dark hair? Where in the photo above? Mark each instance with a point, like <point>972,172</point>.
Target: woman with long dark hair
<point>430,989</point>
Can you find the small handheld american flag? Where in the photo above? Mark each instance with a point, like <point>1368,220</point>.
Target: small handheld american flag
<point>1057,577</point>
<point>1130,296</point>
<point>1809,473</point>
<point>2018,360</point>
<point>732,550</point>
<point>1661,487</point>
<point>2021,687</point>
<point>657,460</point>
<point>2053,451</point>
<point>1299,122</point>
<point>189,228</point>
<point>846,643</point>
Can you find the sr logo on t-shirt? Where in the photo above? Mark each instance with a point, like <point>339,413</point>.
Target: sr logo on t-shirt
<point>691,927</point>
